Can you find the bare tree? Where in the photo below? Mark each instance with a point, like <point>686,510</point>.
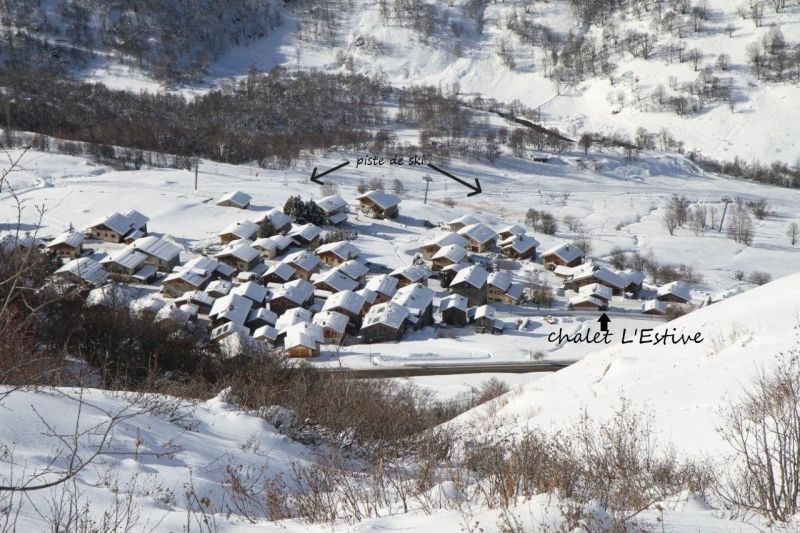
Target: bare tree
<point>793,232</point>
<point>670,221</point>
<point>740,228</point>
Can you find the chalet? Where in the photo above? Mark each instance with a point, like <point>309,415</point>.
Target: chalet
<point>273,222</point>
<point>675,292</point>
<point>305,263</point>
<point>337,253</point>
<point>587,301</point>
<point>334,207</point>
<point>219,288</point>
<point>230,308</point>
<point>385,322</point>
<point>378,204</point>
<point>235,199</point>
<point>384,286</point>
<point>369,299</point>
<point>448,273</point>
<point>333,281</point>
<point>564,254</point>
<point>485,316</point>
<point>450,254</point>
<point>195,275</point>
<point>590,274</point>
<point>355,270</point>
<point>83,271</point>
<point>519,247</point>
<point>279,273</point>
<point>202,300</point>
<point>501,289</point>
<point>116,227</point>
<point>458,223</point>
<point>654,307</point>
<point>454,310</point>
<point>242,257</point>
<point>191,310</point>
<point>173,316</point>
<point>228,329</point>
<point>260,317</point>
<point>253,291</point>
<point>480,236</point>
<point>418,299</point>
<point>160,253</point>
<point>634,281</point>
<point>13,243</point>
<point>272,247</point>
<point>597,290</point>
<point>470,282</point>
<point>409,275</point>
<point>303,340</point>
<point>306,236</point>
<point>333,324</point>
<point>266,334</point>
<point>124,263</point>
<point>348,303</point>
<point>297,293</point>
<point>429,248</point>
<point>296,315</point>
<point>513,230</point>
<point>67,245</point>
<point>244,229</point>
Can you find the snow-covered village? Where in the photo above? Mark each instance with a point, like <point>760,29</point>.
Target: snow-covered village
<point>400,265</point>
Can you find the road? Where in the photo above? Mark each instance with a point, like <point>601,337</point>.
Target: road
<point>451,369</point>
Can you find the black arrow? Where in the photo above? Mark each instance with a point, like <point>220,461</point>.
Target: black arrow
<point>315,177</point>
<point>476,189</point>
<point>604,320</point>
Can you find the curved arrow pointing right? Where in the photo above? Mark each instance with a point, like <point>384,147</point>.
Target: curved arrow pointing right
<point>476,189</point>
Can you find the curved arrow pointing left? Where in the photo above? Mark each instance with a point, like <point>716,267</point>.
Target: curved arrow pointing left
<point>315,177</point>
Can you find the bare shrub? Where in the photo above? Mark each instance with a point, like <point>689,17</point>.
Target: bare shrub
<point>618,258</point>
<point>759,278</point>
<point>489,390</point>
<point>329,189</point>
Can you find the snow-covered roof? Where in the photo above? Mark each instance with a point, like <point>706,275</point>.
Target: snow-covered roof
<point>632,276</point>
<point>464,220</point>
<point>291,317</point>
<point>277,218</point>
<point>519,243</point>
<point>146,304</point>
<point>123,223</point>
<point>383,284</point>
<point>654,305</point>
<point>348,300</point>
<point>198,297</point>
<point>284,271</point>
<point>138,220</point>
<point>303,260</point>
<point>266,333</point>
<point>307,232</point>
<point>485,311</point>
<point>515,291</point>
<point>232,307</point>
<point>447,238</point>
<point>342,249</point>
<point>237,198</point>
<point>336,280</point>
<point>276,242</point>
<point>455,267</point>
<point>219,286</point>
<point>330,204</point>
<point>415,297</point>
<point>382,199</point>
<point>601,274</point>
<point>389,314</point>
<point>298,291</point>
<point>262,314</point>
<point>244,229</point>
<point>676,288</point>
<point>453,301</point>
<point>172,313</point>
<point>337,218</point>
<point>304,334</point>
<point>565,251</point>
<point>513,229</point>
<point>451,252</point>
<point>242,252</point>
<point>478,232</point>
<point>157,247</point>
<point>353,269</point>
<point>10,242</point>
<point>229,328</point>
<point>128,257</point>
<point>254,291</point>
<point>474,275</point>
<point>583,298</point>
<point>500,279</point>
<point>410,272</point>
<point>72,239</point>
<point>332,320</point>
<point>198,270</point>
<point>368,295</point>
<point>596,289</point>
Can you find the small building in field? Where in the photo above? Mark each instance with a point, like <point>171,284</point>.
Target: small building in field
<point>418,299</point>
<point>461,222</point>
<point>384,286</point>
<point>235,199</point>
<point>430,247</point>
<point>334,207</point>
<point>470,282</point>
<point>333,281</point>
<point>354,270</point>
<point>564,254</point>
<point>409,275</point>
<point>160,253</point>
<point>297,293</point>
<point>279,273</point>
<point>83,271</point>
<point>244,229</point>
<point>68,245</point>
<point>305,263</point>
<point>379,204</point>
<point>348,303</point>
<point>337,253</point>
<point>385,322</point>
<point>513,230</point>
<point>519,247</point>
<point>586,301</point>
<point>242,257</point>
<point>675,292</point>
<point>272,247</point>
<point>273,222</point>
<point>480,236</point>
<point>654,307</point>
<point>123,264</point>
<point>484,316</point>
<point>116,227</point>
<point>333,324</point>
<point>453,309</point>
<point>450,254</point>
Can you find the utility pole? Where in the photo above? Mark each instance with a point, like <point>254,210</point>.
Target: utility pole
<point>9,138</point>
<point>724,210</point>
<point>196,167</point>
<point>428,181</point>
